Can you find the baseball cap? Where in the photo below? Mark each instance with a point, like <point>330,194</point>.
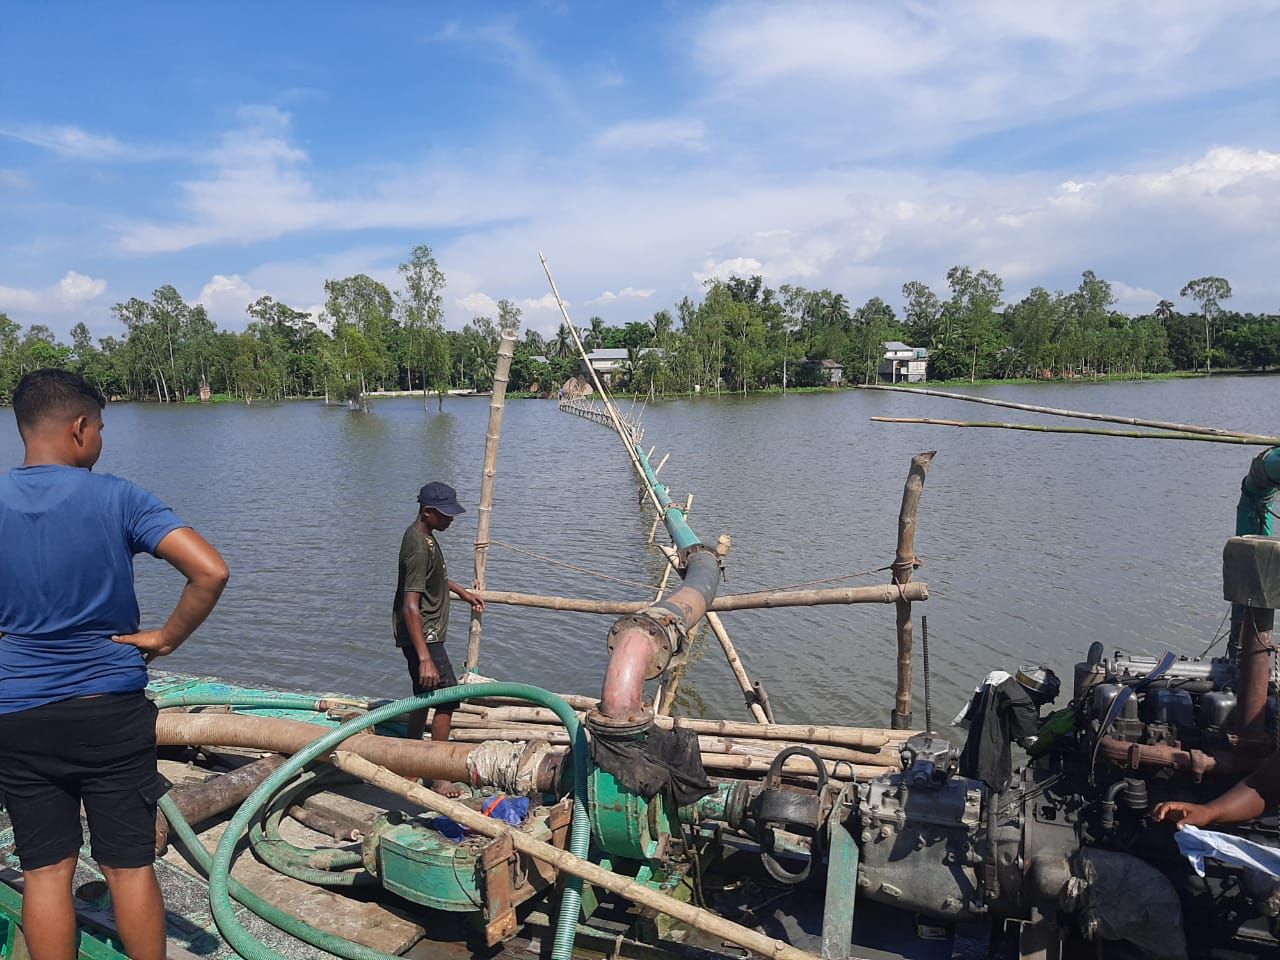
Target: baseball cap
<point>442,498</point>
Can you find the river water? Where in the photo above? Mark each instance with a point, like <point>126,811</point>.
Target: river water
<point>1033,545</point>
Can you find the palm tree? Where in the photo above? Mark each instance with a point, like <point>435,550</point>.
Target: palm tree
<point>563,341</point>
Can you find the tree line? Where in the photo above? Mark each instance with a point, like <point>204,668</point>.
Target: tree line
<point>740,335</point>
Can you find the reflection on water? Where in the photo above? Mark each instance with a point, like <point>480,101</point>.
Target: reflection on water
<point>1033,545</point>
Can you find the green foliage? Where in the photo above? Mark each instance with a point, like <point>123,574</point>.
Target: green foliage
<point>741,335</point>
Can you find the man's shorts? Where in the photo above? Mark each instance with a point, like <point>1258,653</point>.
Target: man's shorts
<point>99,751</point>
<point>441,659</point>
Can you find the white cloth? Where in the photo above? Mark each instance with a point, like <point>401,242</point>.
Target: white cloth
<point>1197,844</point>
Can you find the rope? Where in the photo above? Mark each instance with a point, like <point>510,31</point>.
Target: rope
<point>569,566</point>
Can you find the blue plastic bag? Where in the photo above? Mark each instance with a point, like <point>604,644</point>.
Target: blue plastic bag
<point>512,810</point>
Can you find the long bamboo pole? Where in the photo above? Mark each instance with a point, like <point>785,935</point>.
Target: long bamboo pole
<point>497,404</point>
<point>903,566</point>
<point>1247,440</point>
<point>1078,414</point>
<point>864,737</point>
<point>881,593</point>
<point>563,860</point>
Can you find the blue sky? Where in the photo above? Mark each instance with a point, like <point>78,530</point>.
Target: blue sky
<point>237,149</point>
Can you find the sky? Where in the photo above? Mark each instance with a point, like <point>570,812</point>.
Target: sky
<point>235,150</point>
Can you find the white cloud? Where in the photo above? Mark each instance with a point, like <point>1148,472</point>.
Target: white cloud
<point>69,142</point>
<point>626,293</point>
<point>479,305</point>
<point>654,135</point>
<point>73,291</point>
<point>14,179</point>
<point>226,297</point>
<point>734,266</point>
<point>545,302</point>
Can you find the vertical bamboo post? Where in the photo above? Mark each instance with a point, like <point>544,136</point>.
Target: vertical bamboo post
<point>497,404</point>
<point>903,565</point>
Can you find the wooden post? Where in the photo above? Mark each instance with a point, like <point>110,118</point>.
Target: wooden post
<point>506,347</point>
<point>903,565</point>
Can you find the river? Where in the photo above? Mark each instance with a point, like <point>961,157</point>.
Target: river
<point>1033,545</point>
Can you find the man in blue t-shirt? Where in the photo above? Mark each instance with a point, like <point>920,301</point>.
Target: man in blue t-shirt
<point>76,726</point>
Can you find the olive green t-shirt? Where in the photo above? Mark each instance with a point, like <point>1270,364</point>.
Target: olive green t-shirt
<point>421,570</point>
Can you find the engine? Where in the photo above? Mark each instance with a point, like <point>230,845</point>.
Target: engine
<point>1062,844</point>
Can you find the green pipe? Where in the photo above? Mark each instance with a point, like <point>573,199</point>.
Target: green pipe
<point>580,831</point>
<point>1258,494</point>
<point>281,701</point>
<point>268,911</point>
<point>672,516</point>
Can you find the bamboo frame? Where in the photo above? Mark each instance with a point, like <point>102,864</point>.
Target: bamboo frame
<point>881,593</point>
<point>903,566</point>
<point>1250,440</point>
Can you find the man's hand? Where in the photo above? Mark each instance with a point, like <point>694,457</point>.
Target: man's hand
<point>428,675</point>
<point>151,643</point>
<point>1181,813</point>
<point>477,605</point>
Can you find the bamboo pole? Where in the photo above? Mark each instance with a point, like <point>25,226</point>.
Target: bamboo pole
<point>903,566</point>
<point>563,860</point>
<point>881,593</point>
<point>1078,414</point>
<point>1240,439</point>
<point>735,664</point>
<point>502,370</point>
<point>466,730</point>
<point>865,737</point>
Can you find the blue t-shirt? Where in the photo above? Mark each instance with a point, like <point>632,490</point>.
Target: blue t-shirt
<point>67,541</point>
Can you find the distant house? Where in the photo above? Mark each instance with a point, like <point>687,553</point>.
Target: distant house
<point>609,363</point>
<point>902,363</point>
<point>834,370</point>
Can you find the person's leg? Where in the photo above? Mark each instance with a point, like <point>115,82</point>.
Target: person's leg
<point>443,719</point>
<point>48,912</point>
<point>139,910</point>
<point>416,721</point>
<point>41,795</point>
<point>120,798</point>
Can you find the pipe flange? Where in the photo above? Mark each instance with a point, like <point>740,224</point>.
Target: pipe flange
<point>627,725</point>
<point>659,632</point>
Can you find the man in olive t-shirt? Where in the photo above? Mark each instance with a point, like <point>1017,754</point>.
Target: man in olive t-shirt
<point>420,611</point>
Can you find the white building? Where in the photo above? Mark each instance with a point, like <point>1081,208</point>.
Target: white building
<point>903,364</point>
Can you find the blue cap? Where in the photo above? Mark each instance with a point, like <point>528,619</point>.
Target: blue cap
<point>441,498</point>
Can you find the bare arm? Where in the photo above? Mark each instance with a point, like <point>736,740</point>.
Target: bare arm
<point>1238,804</point>
<point>464,594</point>
<point>206,572</point>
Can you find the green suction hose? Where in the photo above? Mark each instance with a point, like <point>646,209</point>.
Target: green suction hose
<point>268,911</point>
<point>220,868</point>
<point>321,868</point>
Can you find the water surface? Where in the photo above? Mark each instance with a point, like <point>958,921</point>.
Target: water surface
<point>1033,545</point>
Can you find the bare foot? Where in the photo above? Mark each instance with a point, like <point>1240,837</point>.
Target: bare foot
<point>446,788</point>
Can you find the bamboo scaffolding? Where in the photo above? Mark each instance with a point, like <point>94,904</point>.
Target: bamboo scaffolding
<point>881,593</point>
<point>501,373</point>
<point>1077,414</point>
<point>563,860</point>
<point>1247,440</point>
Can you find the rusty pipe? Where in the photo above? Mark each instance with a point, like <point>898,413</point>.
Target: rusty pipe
<point>642,644</point>
<point>410,758</point>
<point>1166,756</point>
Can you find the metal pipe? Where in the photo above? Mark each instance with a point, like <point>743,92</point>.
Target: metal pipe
<point>1165,756</point>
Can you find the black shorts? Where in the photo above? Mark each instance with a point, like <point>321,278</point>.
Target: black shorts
<point>441,659</point>
<point>99,751</point>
